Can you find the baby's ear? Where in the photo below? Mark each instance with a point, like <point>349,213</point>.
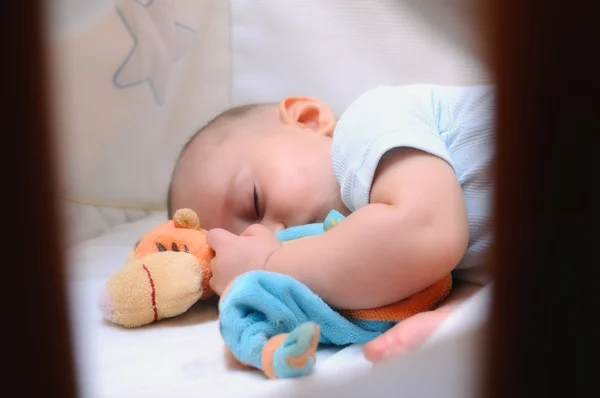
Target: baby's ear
<point>307,113</point>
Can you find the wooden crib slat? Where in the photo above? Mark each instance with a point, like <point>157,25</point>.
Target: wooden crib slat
<point>545,62</point>
<point>36,338</point>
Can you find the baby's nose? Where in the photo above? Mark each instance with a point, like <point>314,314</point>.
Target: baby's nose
<point>106,304</point>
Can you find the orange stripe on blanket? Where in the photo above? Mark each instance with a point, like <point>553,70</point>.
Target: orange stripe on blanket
<point>425,300</point>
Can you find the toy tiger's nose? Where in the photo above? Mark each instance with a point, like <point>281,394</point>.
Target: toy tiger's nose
<point>156,286</point>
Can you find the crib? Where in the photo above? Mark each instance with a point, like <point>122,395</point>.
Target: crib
<point>130,80</point>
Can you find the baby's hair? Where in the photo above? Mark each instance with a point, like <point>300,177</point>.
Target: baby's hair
<point>229,115</point>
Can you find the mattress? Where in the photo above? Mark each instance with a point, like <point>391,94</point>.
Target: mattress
<point>185,356</point>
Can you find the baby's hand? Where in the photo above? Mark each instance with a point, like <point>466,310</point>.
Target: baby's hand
<point>409,334</point>
<point>235,254</point>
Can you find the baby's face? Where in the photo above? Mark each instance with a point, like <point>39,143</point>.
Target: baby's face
<point>279,179</point>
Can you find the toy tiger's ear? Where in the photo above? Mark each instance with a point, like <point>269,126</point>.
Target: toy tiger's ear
<point>186,218</point>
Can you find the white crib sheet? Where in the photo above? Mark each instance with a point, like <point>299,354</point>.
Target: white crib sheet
<point>184,356</point>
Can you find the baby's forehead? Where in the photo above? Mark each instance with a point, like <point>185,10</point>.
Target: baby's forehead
<point>220,147</point>
<point>222,137</point>
<point>210,156</point>
<point>216,147</point>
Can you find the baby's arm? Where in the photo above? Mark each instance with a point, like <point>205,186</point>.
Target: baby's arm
<point>413,232</point>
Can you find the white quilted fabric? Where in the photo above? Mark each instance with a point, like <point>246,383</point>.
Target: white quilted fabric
<point>117,137</point>
<point>335,50</point>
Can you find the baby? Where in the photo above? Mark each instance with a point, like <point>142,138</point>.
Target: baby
<point>409,166</point>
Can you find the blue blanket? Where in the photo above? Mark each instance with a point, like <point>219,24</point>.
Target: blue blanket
<point>274,323</point>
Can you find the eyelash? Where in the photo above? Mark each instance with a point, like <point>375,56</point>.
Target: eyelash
<point>256,207</point>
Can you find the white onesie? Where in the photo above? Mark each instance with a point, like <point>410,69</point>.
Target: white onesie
<point>454,123</point>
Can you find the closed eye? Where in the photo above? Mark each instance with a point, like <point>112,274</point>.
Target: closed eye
<point>256,204</point>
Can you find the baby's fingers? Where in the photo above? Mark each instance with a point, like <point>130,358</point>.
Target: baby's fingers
<point>217,238</point>
<point>403,337</point>
<point>215,280</point>
<point>216,285</point>
<point>412,332</point>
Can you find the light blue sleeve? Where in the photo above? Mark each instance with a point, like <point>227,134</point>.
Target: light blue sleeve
<point>387,117</point>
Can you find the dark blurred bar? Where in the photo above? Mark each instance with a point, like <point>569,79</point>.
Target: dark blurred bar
<point>37,341</point>
<point>545,61</point>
